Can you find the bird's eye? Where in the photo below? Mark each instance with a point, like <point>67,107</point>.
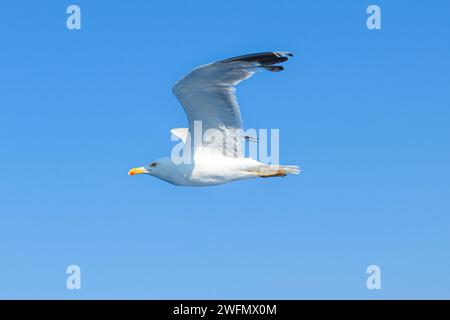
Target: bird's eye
<point>153,164</point>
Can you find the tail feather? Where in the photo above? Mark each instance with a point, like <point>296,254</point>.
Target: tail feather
<point>290,169</point>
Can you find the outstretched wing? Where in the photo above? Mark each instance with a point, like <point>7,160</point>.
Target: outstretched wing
<point>208,95</point>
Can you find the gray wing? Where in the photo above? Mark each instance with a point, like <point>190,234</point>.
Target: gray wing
<point>208,94</point>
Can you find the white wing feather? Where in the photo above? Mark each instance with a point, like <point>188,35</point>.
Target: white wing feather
<point>208,94</point>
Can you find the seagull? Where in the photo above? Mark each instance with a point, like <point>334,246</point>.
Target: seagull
<point>208,96</point>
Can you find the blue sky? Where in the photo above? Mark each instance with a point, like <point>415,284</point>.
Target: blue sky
<point>364,113</point>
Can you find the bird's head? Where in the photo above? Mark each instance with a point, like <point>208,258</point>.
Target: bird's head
<point>151,169</point>
<point>159,168</point>
<point>165,169</point>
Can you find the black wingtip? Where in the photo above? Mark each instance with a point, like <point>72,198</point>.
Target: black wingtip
<point>273,68</point>
<point>263,58</point>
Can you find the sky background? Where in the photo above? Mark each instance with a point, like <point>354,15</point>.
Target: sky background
<point>364,113</point>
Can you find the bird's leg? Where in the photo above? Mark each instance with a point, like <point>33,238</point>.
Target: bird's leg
<point>279,173</point>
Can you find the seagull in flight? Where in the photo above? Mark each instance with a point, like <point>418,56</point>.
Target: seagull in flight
<point>208,96</point>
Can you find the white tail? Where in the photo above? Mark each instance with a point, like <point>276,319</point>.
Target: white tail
<point>290,169</point>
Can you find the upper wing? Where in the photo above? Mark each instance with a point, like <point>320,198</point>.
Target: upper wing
<point>207,94</point>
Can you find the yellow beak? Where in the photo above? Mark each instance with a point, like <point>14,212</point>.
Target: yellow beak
<point>139,170</point>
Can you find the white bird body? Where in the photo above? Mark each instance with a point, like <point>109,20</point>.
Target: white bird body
<point>208,97</point>
<point>214,171</point>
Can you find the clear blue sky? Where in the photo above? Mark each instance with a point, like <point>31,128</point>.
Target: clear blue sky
<point>364,113</point>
